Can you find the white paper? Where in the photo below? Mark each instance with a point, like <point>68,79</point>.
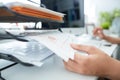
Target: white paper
<point>29,52</point>
<point>59,43</point>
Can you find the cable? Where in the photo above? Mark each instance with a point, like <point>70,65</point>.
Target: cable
<point>16,37</point>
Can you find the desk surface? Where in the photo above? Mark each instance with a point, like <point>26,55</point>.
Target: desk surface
<point>53,69</point>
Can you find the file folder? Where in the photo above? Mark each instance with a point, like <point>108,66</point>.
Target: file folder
<point>35,13</point>
<point>20,12</point>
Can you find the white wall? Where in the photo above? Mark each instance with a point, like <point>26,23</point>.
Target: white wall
<point>94,7</point>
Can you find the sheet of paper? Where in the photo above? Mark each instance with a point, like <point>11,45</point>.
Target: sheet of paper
<point>87,39</point>
<point>59,43</point>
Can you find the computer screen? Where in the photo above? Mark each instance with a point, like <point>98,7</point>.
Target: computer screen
<point>74,10</point>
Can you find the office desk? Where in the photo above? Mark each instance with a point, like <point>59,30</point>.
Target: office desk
<point>53,69</point>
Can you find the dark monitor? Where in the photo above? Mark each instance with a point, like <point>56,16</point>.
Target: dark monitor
<point>74,10</point>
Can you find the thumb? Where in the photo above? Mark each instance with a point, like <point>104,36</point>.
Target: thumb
<point>84,48</point>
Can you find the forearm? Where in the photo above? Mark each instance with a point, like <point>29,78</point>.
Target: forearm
<point>114,70</point>
<point>112,39</point>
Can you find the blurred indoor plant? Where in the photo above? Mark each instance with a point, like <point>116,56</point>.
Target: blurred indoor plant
<point>106,18</point>
<point>116,13</point>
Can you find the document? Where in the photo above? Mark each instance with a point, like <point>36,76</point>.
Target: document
<point>27,52</point>
<point>59,43</point>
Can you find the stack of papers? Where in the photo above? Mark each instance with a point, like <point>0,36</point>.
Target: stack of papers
<point>27,52</point>
<point>31,10</point>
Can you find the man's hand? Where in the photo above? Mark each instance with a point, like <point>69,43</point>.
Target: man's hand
<point>99,32</point>
<point>96,63</point>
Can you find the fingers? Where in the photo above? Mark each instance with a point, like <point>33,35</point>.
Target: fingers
<point>72,66</point>
<point>84,48</point>
<point>96,30</point>
<point>77,65</point>
<point>101,35</point>
<point>99,28</point>
<point>79,58</point>
<point>90,50</point>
